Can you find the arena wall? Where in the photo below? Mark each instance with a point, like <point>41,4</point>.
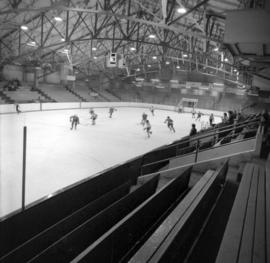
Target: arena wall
<point>10,108</point>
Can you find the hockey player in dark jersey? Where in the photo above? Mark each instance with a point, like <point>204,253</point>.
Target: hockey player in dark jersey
<point>91,111</point>
<point>74,119</point>
<point>93,118</point>
<point>148,128</point>
<point>144,119</point>
<point>111,111</point>
<point>18,108</point>
<point>169,122</point>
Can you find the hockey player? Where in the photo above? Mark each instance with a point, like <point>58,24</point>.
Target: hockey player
<point>111,111</point>
<point>144,119</point>
<point>91,111</point>
<point>74,119</point>
<point>169,122</point>
<point>93,118</point>
<point>199,115</point>
<point>18,108</point>
<point>193,113</point>
<point>148,128</point>
<point>152,110</point>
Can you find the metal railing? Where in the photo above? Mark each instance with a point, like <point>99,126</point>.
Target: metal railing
<point>215,137</point>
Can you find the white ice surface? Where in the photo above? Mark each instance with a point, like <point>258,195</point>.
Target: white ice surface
<point>58,157</point>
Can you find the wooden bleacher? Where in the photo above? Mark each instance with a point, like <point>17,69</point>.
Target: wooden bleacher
<point>58,93</point>
<point>247,234</point>
<point>118,242</point>
<point>23,94</point>
<point>173,238</point>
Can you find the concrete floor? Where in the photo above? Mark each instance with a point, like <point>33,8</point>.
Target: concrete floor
<point>58,157</point>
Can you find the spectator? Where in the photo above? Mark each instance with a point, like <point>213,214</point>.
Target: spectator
<point>225,117</point>
<point>265,120</point>
<point>193,130</point>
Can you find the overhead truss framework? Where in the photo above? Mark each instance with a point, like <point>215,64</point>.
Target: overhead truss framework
<point>149,33</point>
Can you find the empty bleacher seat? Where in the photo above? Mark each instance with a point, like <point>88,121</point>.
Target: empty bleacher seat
<point>247,233</point>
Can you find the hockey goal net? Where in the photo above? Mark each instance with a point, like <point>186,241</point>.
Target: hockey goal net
<point>186,105</point>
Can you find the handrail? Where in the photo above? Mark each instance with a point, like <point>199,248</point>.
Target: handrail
<point>214,132</point>
<point>197,150</point>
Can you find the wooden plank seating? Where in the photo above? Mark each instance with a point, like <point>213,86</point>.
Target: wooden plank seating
<point>47,237</point>
<point>246,238</point>
<point>118,244</point>
<point>173,238</point>
<point>71,244</point>
<point>24,225</point>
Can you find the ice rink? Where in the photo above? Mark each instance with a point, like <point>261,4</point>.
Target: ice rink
<point>58,156</point>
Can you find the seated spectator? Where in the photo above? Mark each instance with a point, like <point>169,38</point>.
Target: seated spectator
<point>193,130</point>
<point>231,117</point>
<point>225,117</point>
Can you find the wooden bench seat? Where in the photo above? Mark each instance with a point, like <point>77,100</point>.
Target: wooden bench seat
<point>120,242</point>
<point>245,237</point>
<point>172,240</point>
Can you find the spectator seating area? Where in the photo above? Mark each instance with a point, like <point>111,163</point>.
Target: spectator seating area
<point>24,94</point>
<point>58,93</point>
<point>129,92</point>
<point>114,217</point>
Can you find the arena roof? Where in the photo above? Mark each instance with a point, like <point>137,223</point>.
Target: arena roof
<point>147,33</point>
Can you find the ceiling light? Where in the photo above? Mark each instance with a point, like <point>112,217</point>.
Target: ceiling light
<point>138,69</point>
<point>65,50</point>
<point>94,57</point>
<point>58,19</point>
<point>31,44</point>
<point>24,27</point>
<point>132,48</point>
<point>235,70</point>
<point>152,36</point>
<point>181,10</point>
<point>178,66</point>
<point>149,66</point>
<point>167,62</point>
<point>226,60</point>
<point>215,49</point>
<point>63,39</point>
<point>185,55</point>
<point>94,48</point>
<point>154,57</point>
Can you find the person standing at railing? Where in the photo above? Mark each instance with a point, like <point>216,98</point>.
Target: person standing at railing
<point>265,120</point>
<point>225,117</point>
<point>211,119</point>
<point>193,130</point>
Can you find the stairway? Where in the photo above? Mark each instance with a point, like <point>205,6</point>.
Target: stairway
<point>6,98</point>
<point>42,93</point>
<point>113,94</point>
<point>75,94</point>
